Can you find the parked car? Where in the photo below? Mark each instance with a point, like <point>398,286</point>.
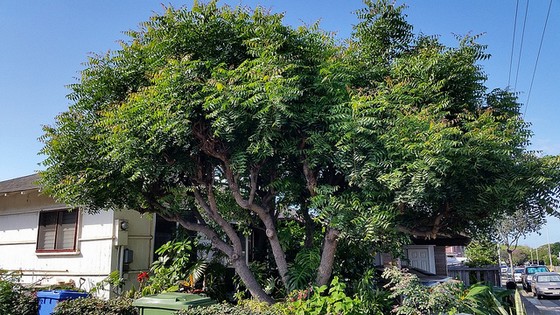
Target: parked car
<point>517,272</point>
<point>528,271</point>
<point>452,260</point>
<point>545,284</point>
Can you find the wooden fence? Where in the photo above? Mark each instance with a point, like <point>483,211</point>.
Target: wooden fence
<point>489,275</point>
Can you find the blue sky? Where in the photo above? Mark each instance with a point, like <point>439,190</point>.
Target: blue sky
<point>44,43</point>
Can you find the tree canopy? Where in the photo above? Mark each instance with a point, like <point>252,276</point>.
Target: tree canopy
<point>212,116</point>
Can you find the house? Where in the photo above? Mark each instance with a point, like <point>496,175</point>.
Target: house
<point>49,243</point>
<point>427,255</point>
<point>431,254</point>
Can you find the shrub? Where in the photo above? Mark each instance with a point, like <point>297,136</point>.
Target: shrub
<point>374,300</point>
<point>15,299</point>
<point>25,303</point>
<point>95,306</point>
<point>315,301</point>
<point>228,309</point>
<point>443,298</point>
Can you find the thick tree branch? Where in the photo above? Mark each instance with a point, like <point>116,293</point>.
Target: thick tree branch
<point>327,256</point>
<point>436,226</point>
<point>253,178</point>
<point>310,178</point>
<point>191,226</point>
<point>265,217</point>
<point>310,226</point>
<point>217,242</point>
<point>211,211</point>
<point>211,147</point>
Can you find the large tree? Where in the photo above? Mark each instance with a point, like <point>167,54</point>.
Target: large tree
<point>217,115</point>
<point>454,155</point>
<point>204,116</point>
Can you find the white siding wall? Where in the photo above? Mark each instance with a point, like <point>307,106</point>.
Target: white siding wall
<point>96,254</point>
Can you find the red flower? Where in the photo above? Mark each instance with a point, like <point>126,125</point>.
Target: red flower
<point>143,276</point>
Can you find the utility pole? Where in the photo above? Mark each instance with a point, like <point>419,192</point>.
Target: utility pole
<point>499,255</point>
<point>549,254</point>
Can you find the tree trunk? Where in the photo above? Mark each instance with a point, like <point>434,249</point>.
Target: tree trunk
<point>309,228</point>
<point>510,257</point>
<point>264,215</point>
<point>327,257</point>
<point>235,254</point>
<point>277,251</point>
<point>249,280</point>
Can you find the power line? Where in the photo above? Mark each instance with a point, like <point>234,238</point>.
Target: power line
<point>521,46</point>
<point>538,55</point>
<point>513,41</point>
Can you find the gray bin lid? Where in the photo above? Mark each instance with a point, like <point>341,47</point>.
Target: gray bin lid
<point>173,301</point>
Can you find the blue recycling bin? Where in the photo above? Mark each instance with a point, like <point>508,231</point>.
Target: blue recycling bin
<point>49,299</point>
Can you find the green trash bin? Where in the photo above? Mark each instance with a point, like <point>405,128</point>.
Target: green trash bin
<point>169,303</point>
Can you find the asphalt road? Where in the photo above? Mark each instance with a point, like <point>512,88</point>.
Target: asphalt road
<point>534,306</point>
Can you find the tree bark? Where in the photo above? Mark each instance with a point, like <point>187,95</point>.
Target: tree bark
<point>236,250</point>
<point>327,257</point>
<point>510,257</point>
<point>235,256</point>
<point>249,280</point>
<point>264,215</point>
<point>309,228</point>
<point>277,251</point>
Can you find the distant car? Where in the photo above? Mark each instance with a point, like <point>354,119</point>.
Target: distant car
<point>452,260</point>
<point>545,284</point>
<point>528,271</point>
<point>517,272</point>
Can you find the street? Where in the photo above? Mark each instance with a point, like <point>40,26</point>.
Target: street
<point>535,306</point>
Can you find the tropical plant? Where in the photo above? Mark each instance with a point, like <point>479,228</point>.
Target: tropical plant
<point>177,267</point>
<point>302,271</point>
<point>374,299</point>
<point>113,283</point>
<point>325,300</point>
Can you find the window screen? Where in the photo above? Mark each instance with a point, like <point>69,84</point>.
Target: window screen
<point>57,230</point>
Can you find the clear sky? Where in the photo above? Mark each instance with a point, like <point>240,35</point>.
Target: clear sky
<point>44,43</point>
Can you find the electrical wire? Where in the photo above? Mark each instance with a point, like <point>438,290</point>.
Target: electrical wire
<point>513,41</point>
<point>538,55</point>
<point>521,46</point>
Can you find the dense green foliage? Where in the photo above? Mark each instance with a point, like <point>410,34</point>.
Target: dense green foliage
<point>323,300</point>
<point>445,298</point>
<point>481,253</point>
<point>177,265</point>
<point>16,299</point>
<point>213,115</point>
<point>94,306</point>
<point>228,309</point>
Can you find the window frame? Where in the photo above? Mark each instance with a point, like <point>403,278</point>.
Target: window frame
<point>74,248</point>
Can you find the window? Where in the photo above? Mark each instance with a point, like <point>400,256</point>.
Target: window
<point>57,231</point>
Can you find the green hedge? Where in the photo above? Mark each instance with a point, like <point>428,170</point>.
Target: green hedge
<point>95,306</point>
<point>16,299</point>
<point>227,309</point>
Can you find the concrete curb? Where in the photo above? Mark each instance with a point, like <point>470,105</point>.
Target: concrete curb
<point>530,307</point>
